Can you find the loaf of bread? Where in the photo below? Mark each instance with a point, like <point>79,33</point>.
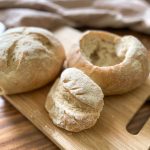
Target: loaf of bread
<point>29,58</point>
<point>75,101</point>
<point>117,64</point>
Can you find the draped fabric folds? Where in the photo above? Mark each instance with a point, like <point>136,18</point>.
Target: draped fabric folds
<point>133,14</point>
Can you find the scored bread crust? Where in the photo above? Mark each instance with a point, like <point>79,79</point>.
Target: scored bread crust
<point>126,75</point>
<point>28,59</point>
<point>67,109</point>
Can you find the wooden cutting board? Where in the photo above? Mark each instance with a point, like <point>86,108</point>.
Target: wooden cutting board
<point>110,130</point>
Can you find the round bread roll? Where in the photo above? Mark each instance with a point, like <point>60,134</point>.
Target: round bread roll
<point>75,101</point>
<point>117,64</point>
<point>29,58</point>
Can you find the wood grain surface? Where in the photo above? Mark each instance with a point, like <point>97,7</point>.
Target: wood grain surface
<point>16,132</point>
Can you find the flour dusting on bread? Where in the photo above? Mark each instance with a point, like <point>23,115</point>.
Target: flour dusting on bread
<point>75,101</point>
<point>28,59</point>
<point>82,87</point>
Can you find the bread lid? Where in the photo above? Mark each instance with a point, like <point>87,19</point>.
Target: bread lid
<point>82,87</point>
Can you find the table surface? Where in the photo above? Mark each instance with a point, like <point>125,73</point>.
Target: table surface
<point>17,133</point>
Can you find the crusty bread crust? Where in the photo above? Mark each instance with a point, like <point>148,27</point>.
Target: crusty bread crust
<point>28,59</point>
<point>129,67</point>
<point>67,105</point>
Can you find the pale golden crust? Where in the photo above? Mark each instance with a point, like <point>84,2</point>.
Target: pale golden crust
<point>81,87</point>
<point>120,78</point>
<point>28,59</point>
<point>69,111</point>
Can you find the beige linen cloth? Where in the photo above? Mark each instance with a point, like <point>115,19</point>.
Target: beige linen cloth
<point>134,14</point>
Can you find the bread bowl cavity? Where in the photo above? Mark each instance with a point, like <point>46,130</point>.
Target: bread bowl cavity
<point>117,64</point>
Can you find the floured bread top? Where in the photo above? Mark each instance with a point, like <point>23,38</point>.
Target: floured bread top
<point>30,57</point>
<point>26,43</point>
<point>105,49</point>
<point>81,87</point>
